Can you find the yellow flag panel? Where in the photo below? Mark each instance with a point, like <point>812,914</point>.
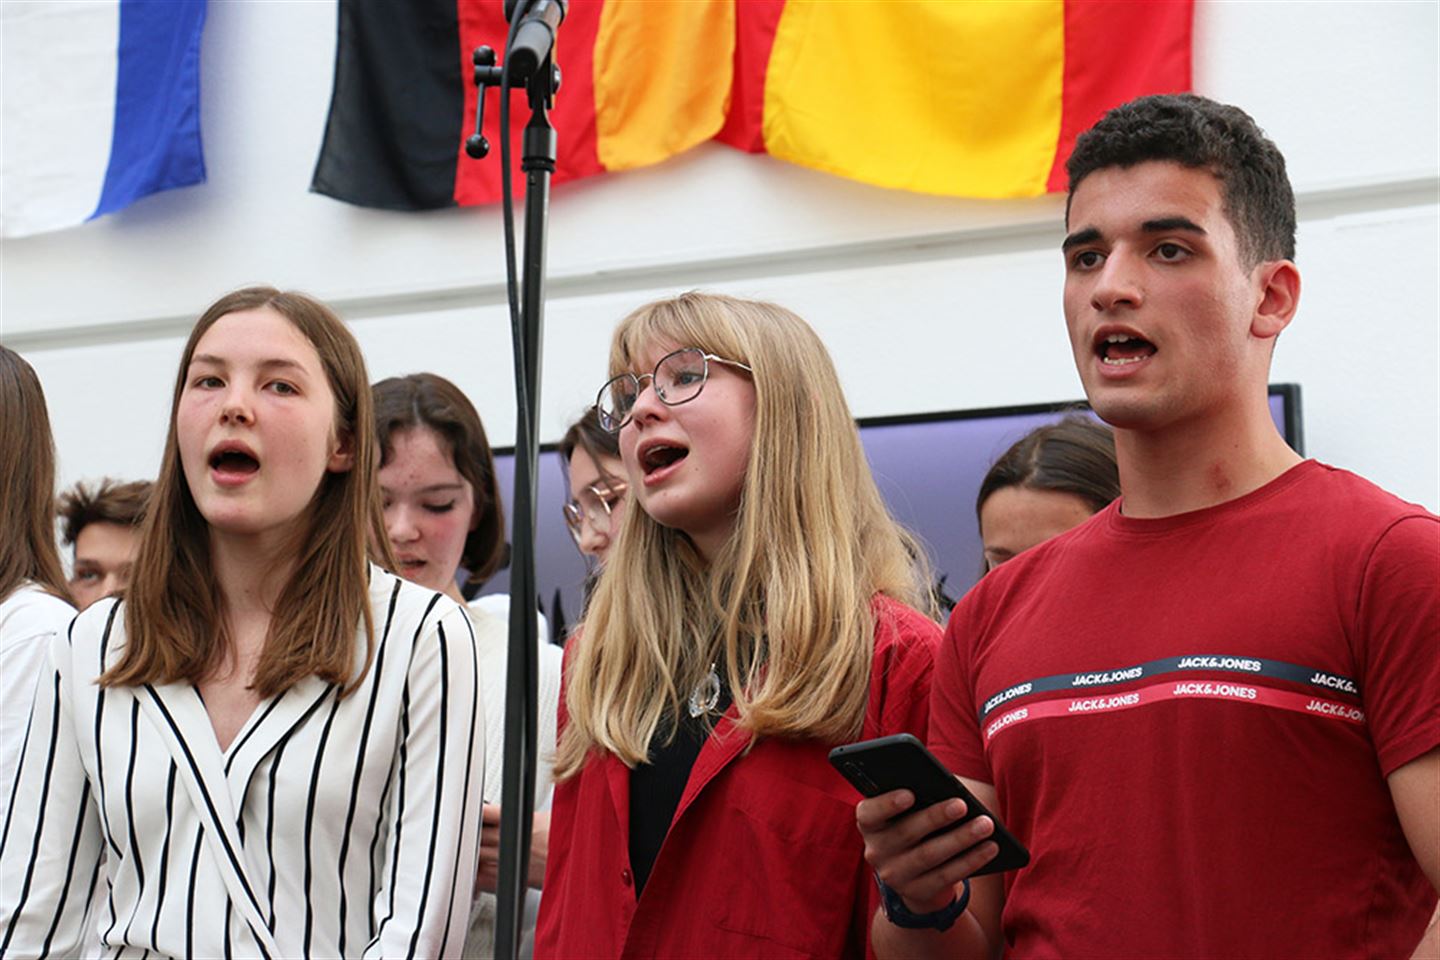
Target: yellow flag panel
<point>958,97</point>
<point>662,77</point>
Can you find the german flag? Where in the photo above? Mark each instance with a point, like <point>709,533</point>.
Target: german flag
<point>975,98</point>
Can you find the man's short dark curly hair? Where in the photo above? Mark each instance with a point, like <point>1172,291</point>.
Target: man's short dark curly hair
<point>122,504</point>
<point>1198,132</point>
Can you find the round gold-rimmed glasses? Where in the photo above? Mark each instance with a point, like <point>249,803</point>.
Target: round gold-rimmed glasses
<point>678,378</point>
<point>596,507</point>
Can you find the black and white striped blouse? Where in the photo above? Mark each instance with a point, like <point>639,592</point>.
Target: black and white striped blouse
<point>328,828</point>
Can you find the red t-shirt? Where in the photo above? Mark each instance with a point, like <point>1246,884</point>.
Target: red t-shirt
<point>762,858</point>
<point>1189,722</point>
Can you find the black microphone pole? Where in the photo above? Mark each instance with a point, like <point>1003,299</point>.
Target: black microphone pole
<point>521,733</point>
<point>529,59</point>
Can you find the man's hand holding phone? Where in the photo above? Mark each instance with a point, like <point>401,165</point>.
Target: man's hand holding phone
<point>935,848</point>
<point>924,867</point>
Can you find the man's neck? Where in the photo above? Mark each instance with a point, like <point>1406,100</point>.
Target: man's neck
<point>1187,467</point>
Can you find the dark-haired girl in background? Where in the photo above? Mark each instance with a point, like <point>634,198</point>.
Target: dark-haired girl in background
<point>443,515</point>
<point>1052,479</point>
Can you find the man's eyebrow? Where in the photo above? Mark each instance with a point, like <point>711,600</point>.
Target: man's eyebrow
<point>1079,237</point>
<point>1158,225</point>
<point>1169,224</point>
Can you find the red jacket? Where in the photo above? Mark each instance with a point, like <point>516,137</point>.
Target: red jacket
<point>762,858</point>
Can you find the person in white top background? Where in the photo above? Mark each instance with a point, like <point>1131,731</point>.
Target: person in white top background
<point>270,746</point>
<point>34,602</point>
<point>444,517</point>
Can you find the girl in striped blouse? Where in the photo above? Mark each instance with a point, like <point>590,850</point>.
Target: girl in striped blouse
<point>271,746</point>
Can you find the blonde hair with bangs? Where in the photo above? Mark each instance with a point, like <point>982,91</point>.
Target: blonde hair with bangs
<point>785,608</point>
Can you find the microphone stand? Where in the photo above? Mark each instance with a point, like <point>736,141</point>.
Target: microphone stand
<point>522,667</point>
<point>522,662</point>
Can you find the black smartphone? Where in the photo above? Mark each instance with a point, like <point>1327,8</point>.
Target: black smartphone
<point>901,762</point>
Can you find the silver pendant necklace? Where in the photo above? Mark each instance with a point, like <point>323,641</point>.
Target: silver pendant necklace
<point>706,693</point>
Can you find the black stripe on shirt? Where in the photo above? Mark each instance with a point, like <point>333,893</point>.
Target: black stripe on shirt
<point>69,869</point>
<point>235,749</point>
<point>164,852</point>
<point>399,811</point>
<point>114,918</point>
<point>360,757</point>
<point>130,809</point>
<point>270,824</point>
<point>390,778</point>
<point>190,898</point>
<point>15,784</point>
<point>469,761</point>
<point>439,786</point>
<point>39,825</point>
<point>400,777</point>
<point>94,880</point>
<point>100,753</point>
<point>310,826</point>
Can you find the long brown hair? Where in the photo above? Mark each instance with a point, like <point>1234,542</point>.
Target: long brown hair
<point>430,401</point>
<point>174,612</point>
<point>27,482</point>
<point>785,609</point>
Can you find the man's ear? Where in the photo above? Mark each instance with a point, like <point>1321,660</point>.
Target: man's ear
<point>1278,284</point>
<point>342,459</point>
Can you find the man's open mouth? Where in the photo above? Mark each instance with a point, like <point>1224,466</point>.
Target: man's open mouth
<point>1120,349</point>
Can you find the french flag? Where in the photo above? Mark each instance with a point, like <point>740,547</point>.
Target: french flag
<point>101,107</point>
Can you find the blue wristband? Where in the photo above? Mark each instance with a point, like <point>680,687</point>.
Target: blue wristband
<point>902,916</point>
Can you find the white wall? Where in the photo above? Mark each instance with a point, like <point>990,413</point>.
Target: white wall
<point>927,304</point>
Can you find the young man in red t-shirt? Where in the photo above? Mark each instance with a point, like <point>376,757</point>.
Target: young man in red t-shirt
<point>1211,710</point>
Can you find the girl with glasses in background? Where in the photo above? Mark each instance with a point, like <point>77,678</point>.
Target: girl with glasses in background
<point>270,746</point>
<point>596,478</point>
<point>756,609</point>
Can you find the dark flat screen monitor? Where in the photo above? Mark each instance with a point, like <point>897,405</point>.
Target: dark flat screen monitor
<point>927,466</point>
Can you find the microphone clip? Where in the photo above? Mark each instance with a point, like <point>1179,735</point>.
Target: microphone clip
<point>487,75</point>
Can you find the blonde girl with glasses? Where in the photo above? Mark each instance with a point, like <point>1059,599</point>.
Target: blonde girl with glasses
<point>271,746</point>
<point>757,609</point>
